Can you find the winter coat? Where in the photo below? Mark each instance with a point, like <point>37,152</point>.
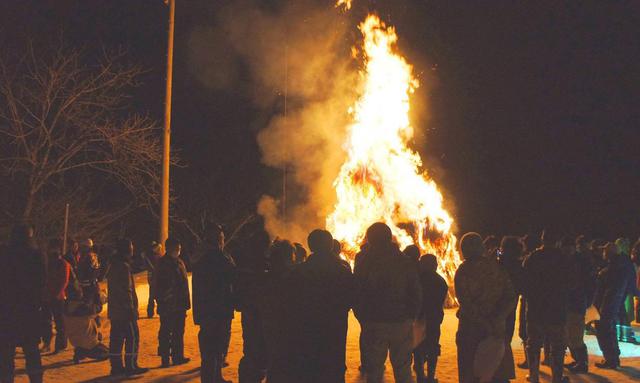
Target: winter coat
<point>212,278</point>
<point>615,282</point>
<point>485,294</point>
<point>323,298</point>
<point>387,286</point>
<point>434,292</point>
<point>171,285</point>
<point>581,292</point>
<point>547,279</point>
<point>22,280</point>
<point>123,300</point>
<point>278,321</point>
<point>58,271</point>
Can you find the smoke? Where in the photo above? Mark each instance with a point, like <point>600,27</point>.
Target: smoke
<point>301,50</point>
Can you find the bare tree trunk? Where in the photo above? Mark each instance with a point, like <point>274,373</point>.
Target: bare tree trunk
<point>28,207</point>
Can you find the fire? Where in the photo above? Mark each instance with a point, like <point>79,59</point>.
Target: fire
<point>344,3</point>
<point>382,178</point>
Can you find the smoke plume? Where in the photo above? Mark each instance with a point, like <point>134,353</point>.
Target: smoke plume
<point>302,51</point>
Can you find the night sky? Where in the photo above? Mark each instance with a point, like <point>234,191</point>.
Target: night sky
<point>534,108</point>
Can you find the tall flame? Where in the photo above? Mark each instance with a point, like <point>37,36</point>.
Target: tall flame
<point>382,179</point>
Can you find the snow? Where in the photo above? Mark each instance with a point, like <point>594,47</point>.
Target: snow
<point>60,368</point>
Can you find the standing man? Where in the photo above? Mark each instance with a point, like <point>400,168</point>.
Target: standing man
<point>23,279</point>
<point>486,297</point>
<point>580,298</point>
<point>614,281</point>
<point>123,312</point>
<point>324,299</point>
<point>213,274</point>
<point>546,282</point>
<point>388,300</point>
<point>172,295</point>
<point>58,271</point>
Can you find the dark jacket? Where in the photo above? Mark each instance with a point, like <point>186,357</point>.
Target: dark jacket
<point>22,280</point>
<point>171,285</point>
<point>212,278</point>
<point>581,292</point>
<point>277,311</point>
<point>434,292</point>
<point>387,286</point>
<point>89,272</point>
<point>547,279</point>
<point>324,295</point>
<point>123,301</point>
<point>615,282</point>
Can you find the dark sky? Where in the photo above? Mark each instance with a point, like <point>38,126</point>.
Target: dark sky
<point>534,115</point>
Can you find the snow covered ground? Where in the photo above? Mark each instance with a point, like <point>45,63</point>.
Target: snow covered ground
<point>60,368</point>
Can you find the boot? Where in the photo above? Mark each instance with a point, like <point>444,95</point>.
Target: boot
<point>582,361</point>
<point>534,365</point>
<point>432,363</point>
<point>165,362</point>
<point>557,369</point>
<point>608,364</point>
<point>36,377</point>
<point>574,355</point>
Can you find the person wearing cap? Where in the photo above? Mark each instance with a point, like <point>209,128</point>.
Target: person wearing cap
<point>172,295</point>
<point>214,272</point>
<point>485,296</point>
<point>324,297</point>
<point>387,302</point>
<point>546,283</point>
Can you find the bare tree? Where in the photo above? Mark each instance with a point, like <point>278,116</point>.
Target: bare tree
<point>66,132</point>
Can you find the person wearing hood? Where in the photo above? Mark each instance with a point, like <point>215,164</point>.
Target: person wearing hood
<point>23,275</point>
<point>172,294</point>
<point>123,313</point>
<point>388,300</point>
<point>486,297</point>
<point>213,275</point>
<point>324,298</point>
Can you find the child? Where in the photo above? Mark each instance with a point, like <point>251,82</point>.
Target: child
<point>434,290</point>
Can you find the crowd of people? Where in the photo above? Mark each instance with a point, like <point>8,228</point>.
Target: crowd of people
<point>294,306</point>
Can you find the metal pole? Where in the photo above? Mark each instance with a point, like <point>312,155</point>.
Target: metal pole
<point>66,229</point>
<point>164,200</point>
<point>284,166</point>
